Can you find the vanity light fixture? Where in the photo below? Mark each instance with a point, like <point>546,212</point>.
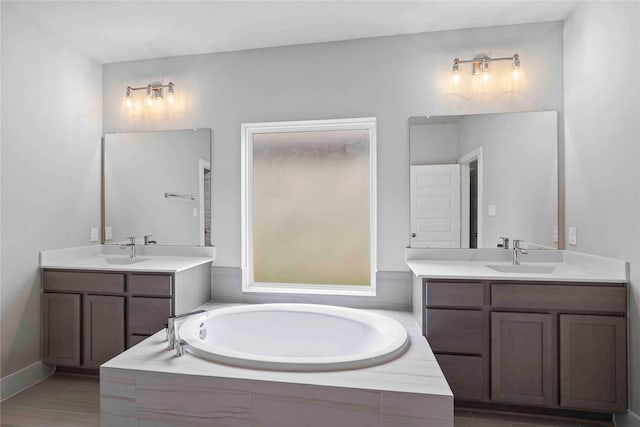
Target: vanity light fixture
<point>154,92</point>
<point>481,65</point>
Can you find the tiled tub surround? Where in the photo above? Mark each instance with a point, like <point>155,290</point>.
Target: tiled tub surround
<point>555,341</point>
<point>148,385</point>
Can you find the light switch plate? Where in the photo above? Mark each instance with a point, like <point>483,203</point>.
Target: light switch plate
<point>94,234</point>
<point>573,236</point>
<point>108,233</point>
<point>491,210</point>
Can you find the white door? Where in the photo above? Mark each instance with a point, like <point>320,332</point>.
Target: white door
<point>435,206</point>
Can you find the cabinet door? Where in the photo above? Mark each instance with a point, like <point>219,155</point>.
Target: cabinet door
<point>593,363</point>
<point>61,329</point>
<point>104,333</point>
<point>521,358</point>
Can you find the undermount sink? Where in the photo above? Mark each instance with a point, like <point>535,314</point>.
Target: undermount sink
<point>124,261</point>
<point>524,269</point>
<point>116,260</point>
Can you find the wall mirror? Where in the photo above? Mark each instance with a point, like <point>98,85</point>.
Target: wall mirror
<point>158,183</point>
<point>477,178</point>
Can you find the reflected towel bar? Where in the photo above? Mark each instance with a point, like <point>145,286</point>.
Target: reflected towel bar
<point>180,196</point>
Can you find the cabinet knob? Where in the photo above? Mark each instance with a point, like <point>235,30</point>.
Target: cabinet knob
<point>413,234</point>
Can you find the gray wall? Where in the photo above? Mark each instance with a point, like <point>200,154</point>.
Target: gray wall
<point>602,143</point>
<point>391,78</point>
<point>51,128</point>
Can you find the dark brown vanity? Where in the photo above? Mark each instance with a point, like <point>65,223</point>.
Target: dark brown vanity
<point>88,317</point>
<point>560,345</point>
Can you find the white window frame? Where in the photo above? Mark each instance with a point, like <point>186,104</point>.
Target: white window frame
<point>250,129</point>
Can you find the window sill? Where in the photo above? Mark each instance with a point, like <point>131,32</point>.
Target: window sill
<point>344,290</point>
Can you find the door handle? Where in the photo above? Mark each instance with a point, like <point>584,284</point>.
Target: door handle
<point>413,234</point>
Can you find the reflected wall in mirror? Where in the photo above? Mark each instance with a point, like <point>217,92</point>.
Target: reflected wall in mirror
<point>477,178</point>
<point>158,183</point>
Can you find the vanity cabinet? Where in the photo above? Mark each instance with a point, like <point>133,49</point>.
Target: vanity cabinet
<point>558,345</point>
<point>89,317</point>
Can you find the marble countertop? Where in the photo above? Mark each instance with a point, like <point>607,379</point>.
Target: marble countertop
<point>466,265</point>
<point>416,371</point>
<point>169,259</point>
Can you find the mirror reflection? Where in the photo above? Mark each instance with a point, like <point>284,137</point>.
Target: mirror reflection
<point>158,184</point>
<point>477,179</point>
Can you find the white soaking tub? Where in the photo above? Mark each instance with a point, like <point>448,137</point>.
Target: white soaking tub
<point>294,337</point>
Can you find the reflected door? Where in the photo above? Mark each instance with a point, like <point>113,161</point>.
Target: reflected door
<point>435,206</point>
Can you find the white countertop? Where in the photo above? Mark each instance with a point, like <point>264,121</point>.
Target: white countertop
<point>416,371</point>
<point>168,259</point>
<point>475,265</point>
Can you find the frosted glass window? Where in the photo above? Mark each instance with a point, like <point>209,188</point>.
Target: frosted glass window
<point>310,207</point>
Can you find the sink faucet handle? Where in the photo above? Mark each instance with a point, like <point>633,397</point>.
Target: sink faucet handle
<point>505,243</point>
<point>148,241</point>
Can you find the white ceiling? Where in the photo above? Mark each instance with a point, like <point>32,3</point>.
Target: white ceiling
<point>113,31</point>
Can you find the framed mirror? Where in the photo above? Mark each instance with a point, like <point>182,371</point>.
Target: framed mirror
<point>476,179</point>
<point>157,183</point>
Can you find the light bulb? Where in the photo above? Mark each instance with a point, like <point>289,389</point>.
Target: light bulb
<point>128,100</point>
<point>170,93</point>
<point>149,95</point>
<point>515,63</point>
<point>485,76</point>
<point>456,78</point>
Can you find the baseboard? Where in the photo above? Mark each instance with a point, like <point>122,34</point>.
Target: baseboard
<point>630,419</point>
<point>21,380</point>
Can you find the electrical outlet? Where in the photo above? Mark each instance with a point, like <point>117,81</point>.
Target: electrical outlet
<point>491,210</point>
<point>108,233</point>
<point>94,234</point>
<point>555,234</point>
<point>573,236</point>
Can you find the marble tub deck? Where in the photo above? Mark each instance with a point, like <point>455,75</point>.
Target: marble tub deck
<point>149,385</point>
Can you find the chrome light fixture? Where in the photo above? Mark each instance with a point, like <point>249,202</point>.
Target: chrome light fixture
<point>154,92</point>
<point>481,64</point>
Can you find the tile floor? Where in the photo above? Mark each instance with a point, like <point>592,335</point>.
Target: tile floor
<point>74,401</point>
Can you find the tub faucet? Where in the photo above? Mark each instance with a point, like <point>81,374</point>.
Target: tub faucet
<point>132,245</point>
<point>174,341</point>
<point>518,251</point>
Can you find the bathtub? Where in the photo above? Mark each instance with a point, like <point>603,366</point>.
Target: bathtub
<point>294,337</point>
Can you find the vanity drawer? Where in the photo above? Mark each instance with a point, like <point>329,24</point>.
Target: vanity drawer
<point>455,331</point>
<point>454,294</point>
<point>70,281</point>
<point>465,375</point>
<point>611,299</point>
<point>148,315</point>
<point>150,284</point>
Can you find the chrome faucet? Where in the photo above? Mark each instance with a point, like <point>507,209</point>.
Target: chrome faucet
<point>174,341</point>
<point>132,245</point>
<point>518,251</point>
<point>148,241</point>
